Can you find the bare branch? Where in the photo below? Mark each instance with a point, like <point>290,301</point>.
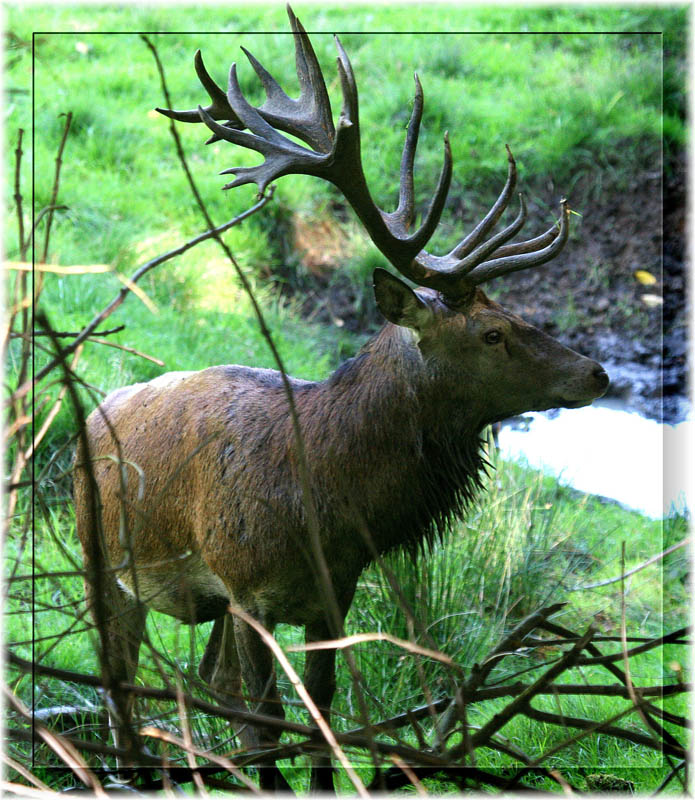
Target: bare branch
<point>71,335</point>
<point>18,194</point>
<point>652,560</point>
<point>56,185</point>
<point>89,329</point>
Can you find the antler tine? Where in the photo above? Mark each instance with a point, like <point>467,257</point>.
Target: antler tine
<point>312,83</point>
<point>490,219</point>
<point>309,117</point>
<point>219,108</point>
<point>404,215</point>
<point>400,220</point>
<point>530,245</point>
<point>465,265</point>
<point>386,230</point>
<point>503,266</point>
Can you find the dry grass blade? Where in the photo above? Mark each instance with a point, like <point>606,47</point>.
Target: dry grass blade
<point>53,413</point>
<point>74,269</point>
<point>63,748</point>
<point>357,638</point>
<point>25,773</point>
<point>9,789</point>
<point>165,736</point>
<point>412,777</point>
<point>304,695</point>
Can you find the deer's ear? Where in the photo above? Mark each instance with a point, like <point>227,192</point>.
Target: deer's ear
<point>399,303</point>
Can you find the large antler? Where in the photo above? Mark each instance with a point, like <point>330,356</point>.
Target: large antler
<point>335,156</point>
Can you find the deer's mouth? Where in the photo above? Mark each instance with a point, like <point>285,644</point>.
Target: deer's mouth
<point>575,403</point>
<point>601,382</point>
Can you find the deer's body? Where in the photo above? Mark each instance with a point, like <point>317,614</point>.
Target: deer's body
<point>198,499</point>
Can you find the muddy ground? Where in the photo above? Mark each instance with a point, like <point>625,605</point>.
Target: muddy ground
<point>591,298</point>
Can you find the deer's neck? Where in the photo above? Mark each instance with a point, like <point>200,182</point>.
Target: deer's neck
<point>412,457</point>
<point>388,385</point>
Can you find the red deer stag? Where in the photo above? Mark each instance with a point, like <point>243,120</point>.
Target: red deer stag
<point>199,485</point>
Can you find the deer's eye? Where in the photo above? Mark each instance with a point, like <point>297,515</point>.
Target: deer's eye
<point>493,337</point>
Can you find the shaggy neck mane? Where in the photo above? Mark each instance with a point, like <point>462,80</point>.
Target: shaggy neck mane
<point>411,459</point>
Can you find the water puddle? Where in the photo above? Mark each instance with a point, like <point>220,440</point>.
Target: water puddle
<point>610,452</point>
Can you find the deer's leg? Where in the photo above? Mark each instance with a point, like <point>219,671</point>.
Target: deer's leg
<point>120,620</point>
<point>258,671</point>
<point>319,679</point>
<point>221,670</point>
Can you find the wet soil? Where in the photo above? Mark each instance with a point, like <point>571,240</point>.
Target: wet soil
<point>617,293</point>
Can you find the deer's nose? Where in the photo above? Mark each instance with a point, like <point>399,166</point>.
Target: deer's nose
<point>601,377</point>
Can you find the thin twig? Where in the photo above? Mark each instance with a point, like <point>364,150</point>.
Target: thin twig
<point>39,217</point>
<point>127,349</point>
<point>522,701</point>
<point>672,774</point>
<point>56,184</point>
<point>18,194</point>
<point>626,659</point>
<point>305,696</point>
<point>89,329</point>
<point>627,574</point>
<point>669,638</point>
<point>357,638</point>
<point>511,642</point>
<point>188,739</point>
<point>53,413</point>
<point>225,763</point>
<point>71,335</point>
